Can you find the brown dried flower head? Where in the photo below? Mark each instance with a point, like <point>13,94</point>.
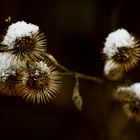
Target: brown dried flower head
<point>129,97</point>
<point>122,48</point>
<point>8,73</point>
<point>39,82</point>
<point>25,41</point>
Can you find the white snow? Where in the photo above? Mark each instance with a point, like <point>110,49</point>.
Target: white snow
<point>43,66</point>
<point>136,89</point>
<point>8,66</point>
<point>116,39</point>
<point>18,30</point>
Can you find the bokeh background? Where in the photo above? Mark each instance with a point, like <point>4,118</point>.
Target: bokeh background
<point>76,32</point>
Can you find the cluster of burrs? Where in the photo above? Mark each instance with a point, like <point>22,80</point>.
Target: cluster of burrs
<point>122,54</point>
<point>25,70</point>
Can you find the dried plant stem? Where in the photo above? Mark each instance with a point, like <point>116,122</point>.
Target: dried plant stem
<point>73,73</point>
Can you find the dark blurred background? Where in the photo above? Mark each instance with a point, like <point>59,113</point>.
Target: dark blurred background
<point>76,31</point>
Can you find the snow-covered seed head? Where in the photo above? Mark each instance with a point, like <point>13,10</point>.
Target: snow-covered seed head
<point>8,72</point>
<point>122,48</point>
<point>123,94</point>
<point>130,99</point>
<point>25,41</point>
<point>39,82</point>
<point>113,71</point>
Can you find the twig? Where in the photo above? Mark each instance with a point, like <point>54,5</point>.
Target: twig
<point>73,73</point>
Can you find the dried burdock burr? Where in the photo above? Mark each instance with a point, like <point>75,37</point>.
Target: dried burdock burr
<point>129,97</point>
<point>38,82</point>
<point>122,48</point>
<point>25,41</point>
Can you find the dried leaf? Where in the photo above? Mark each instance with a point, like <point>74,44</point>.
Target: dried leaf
<point>77,99</point>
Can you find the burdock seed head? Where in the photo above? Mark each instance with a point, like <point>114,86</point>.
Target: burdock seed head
<point>8,73</point>
<point>25,41</point>
<point>122,48</point>
<point>130,98</point>
<point>39,82</point>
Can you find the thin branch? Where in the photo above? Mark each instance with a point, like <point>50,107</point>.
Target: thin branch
<point>73,73</point>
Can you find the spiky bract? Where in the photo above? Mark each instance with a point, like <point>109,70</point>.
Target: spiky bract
<point>30,48</point>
